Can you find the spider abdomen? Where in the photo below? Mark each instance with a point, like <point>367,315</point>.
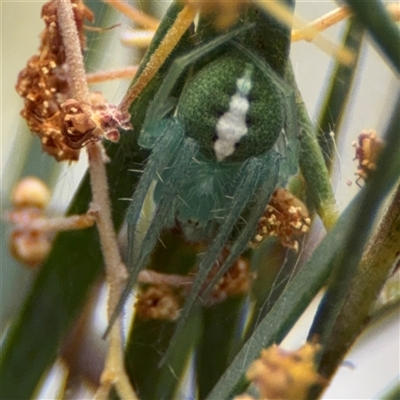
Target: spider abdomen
<point>232,110</point>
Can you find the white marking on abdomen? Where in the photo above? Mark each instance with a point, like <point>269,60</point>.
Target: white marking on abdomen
<point>231,127</point>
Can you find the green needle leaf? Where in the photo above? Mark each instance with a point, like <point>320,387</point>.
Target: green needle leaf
<point>299,293</point>
<point>373,15</point>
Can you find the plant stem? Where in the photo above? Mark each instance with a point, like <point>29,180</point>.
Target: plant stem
<point>372,274</point>
<point>169,42</point>
<point>312,164</point>
<point>334,105</point>
<point>73,51</point>
<point>358,276</point>
<point>114,371</point>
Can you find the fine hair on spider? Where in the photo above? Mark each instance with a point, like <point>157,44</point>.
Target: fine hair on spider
<point>218,151</point>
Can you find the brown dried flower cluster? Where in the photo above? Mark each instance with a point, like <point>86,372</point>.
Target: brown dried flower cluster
<point>367,149</point>
<point>158,302</point>
<point>84,123</point>
<point>63,124</point>
<point>44,83</point>
<point>280,374</point>
<point>286,217</point>
<point>235,282</point>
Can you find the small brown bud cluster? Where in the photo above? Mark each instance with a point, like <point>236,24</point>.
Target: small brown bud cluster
<point>235,282</point>
<point>158,302</point>
<point>44,83</point>
<point>64,124</point>
<point>33,232</point>
<point>84,123</point>
<point>29,199</point>
<point>280,374</point>
<point>285,217</point>
<point>108,118</point>
<point>367,150</point>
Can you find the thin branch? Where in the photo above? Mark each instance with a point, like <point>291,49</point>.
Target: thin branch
<point>103,76</point>
<point>372,273</point>
<point>333,17</point>
<point>139,17</point>
<point>280,12</point>
<point>73,51</point>
<point>114,371</point>
<point>57,224</point>
<point>173,36</point>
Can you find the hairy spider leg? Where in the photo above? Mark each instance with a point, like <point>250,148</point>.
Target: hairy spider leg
<point>268,174</point>
<point>170,137</point>
<point>149,136</point>
<point>286,148</point>
<point>184,152</point>
<point>162,103</point>
<point>167,194</point>
<point>250,176</point>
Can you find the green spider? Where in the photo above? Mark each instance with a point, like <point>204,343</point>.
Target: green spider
<point>219,146</point>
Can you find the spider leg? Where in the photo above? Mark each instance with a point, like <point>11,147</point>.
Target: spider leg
<point>167,196</point>
<point>171,137</point>
<point>183,156</point>
<point>158,109</point>
<point>250,177</point>
<point>159,140</point>
<point>269,178</point>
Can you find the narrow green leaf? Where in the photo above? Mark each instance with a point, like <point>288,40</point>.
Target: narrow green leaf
<point>283,315</point>
<point>394,394</point>
<point>214,352</point>
<point>312,164</point>
<point>375,191</point>
<point>146,346</point>
<point>335,102</point>
<point>366,285</point>
<point>274,268</point>
<point>373,15</point>
<point>354,286</point>
<point>149,339</point>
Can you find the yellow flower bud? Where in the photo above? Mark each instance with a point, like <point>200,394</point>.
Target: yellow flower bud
<point>30,192</point>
